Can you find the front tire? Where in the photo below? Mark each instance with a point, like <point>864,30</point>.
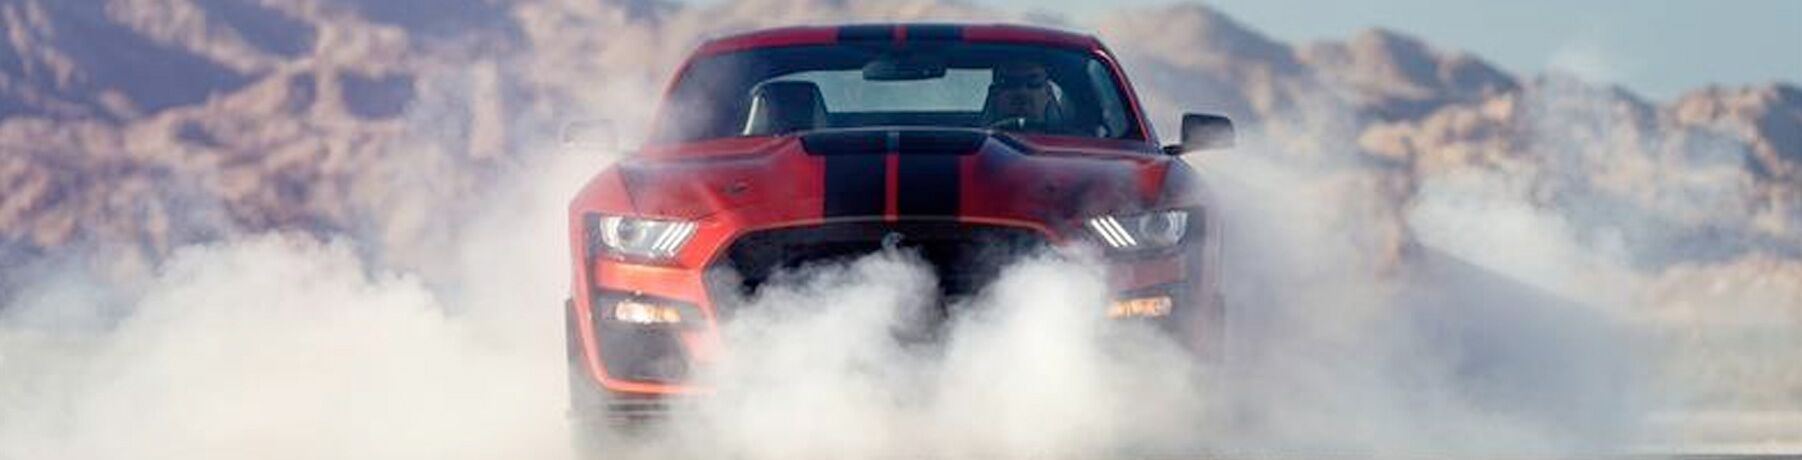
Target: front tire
<point>589,431</point>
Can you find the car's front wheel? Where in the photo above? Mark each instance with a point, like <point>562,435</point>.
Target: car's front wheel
<point>589,431</point>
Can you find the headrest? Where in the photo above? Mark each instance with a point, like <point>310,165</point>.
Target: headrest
<point>782,107</point>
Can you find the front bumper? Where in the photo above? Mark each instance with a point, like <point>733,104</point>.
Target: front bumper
<point>635,360</point>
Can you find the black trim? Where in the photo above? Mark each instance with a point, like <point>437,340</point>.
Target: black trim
<point>927,185</point>
<point>641,352</point>
<point>846,142</point>
<point>855,185</point>
<point>643,410</point>
<point>939,142</point>
<point>965,257</point>
<point>935,32</point>
<point>591,241</point>
<point>866,33</point>
<point>910,141</point>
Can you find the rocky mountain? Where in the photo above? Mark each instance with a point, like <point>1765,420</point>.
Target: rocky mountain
<point>132,128</point>
<point>1704,178</point>
<point>155,123</point>
<point>149,124</point>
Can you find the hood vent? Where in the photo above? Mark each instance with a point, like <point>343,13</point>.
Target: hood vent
<point>886,141</point>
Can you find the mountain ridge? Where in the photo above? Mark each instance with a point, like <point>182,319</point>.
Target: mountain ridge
<point>298,115</point>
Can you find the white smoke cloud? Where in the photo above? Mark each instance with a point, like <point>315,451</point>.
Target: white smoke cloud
<point>288,346</point>
<point>435,335</point>
<point>1028,369</point>
<point>236,339</point>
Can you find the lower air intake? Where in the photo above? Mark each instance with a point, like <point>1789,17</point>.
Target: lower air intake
<point>964,257</point>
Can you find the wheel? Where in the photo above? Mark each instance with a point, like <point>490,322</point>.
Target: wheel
<point>583,395</point>
<point>589,431</point>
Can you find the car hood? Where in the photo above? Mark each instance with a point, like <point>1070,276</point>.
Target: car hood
<point>895,174</point>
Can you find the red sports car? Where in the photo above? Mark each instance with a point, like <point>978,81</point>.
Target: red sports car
<point>968,144</point>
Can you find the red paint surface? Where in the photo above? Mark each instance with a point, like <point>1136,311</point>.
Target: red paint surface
<point>731,187</point>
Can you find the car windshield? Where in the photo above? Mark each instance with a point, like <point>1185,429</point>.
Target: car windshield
<point>777,91</point>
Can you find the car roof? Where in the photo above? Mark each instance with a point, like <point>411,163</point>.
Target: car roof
<point>899,33</point>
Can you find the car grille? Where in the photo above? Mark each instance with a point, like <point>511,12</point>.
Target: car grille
<point>965,257</point>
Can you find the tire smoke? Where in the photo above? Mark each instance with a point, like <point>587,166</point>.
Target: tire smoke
<point>1369,316</point>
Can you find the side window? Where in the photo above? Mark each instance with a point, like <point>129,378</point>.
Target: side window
<point>1113,113</point>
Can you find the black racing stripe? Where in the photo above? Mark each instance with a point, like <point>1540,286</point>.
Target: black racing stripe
<point>854,185</point>
<point>866,33</point>
<point>935,32</point>
<point>928,185</point>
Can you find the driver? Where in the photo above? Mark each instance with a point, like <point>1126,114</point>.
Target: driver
<point>1020,96</point>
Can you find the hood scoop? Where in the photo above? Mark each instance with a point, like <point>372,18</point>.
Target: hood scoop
<point>947,142</point>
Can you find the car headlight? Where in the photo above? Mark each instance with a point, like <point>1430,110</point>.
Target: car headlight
<point>1152,230</point>
<point>637,237</point>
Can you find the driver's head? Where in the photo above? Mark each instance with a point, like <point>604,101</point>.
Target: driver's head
<point>1020,89</point>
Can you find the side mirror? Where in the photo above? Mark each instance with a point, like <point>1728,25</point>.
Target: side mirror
<point>588,135</point>
<point>1204,131</point>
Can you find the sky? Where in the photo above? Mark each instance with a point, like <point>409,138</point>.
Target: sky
<point>1657,48</point>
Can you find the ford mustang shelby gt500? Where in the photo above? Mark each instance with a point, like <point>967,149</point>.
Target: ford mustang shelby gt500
<point>965,144</point>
